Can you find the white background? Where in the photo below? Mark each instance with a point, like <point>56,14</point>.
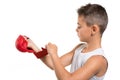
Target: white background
<point>50,21</point>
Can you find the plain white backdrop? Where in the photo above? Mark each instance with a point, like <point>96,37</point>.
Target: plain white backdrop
<point>50,21</point>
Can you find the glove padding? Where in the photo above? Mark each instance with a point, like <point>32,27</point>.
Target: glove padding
<point>21,45</point>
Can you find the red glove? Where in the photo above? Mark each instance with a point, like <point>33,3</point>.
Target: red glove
<point>21,45</point>
<point>41,54</point>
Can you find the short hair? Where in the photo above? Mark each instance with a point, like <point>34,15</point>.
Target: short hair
<point>94,14</point>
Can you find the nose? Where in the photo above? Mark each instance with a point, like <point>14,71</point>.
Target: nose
<point>76,29</point>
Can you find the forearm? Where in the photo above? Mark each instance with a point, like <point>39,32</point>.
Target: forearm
<point>61,72</point>
<point>46,59</point>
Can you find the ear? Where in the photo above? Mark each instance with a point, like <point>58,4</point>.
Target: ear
<point>94,29</point>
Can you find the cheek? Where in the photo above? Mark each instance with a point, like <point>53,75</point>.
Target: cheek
<point>84,33</point>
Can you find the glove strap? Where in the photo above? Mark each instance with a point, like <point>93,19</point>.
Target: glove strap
<point>41,53</point>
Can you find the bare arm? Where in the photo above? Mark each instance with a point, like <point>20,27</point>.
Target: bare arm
<point>94,66</point>
<point>46,59</point>
<point>65,60</point>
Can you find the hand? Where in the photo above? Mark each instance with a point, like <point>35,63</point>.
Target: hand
<point>51,48</point>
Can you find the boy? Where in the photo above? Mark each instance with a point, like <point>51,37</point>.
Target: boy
<point>87,59</point>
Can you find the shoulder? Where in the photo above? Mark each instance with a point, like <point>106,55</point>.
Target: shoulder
<point>99,63</point>
<point>94,66</point>
<point>79,45</point>
<point>71,53</point>
<point>97,58</point>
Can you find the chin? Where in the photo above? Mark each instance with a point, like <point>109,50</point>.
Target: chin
<point>82,40</point>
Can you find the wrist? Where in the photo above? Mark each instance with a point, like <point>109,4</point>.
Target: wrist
<point>54,55</point>
<point>41,53</point>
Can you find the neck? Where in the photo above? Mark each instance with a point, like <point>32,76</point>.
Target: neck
<point>92,45</point>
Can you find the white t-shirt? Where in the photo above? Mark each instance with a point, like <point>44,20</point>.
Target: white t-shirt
<point>80,58</point>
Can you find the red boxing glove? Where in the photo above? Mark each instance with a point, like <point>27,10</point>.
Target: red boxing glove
<point>21,45</point>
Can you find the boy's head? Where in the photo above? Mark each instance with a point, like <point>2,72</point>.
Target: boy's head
<point>94,14</point>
